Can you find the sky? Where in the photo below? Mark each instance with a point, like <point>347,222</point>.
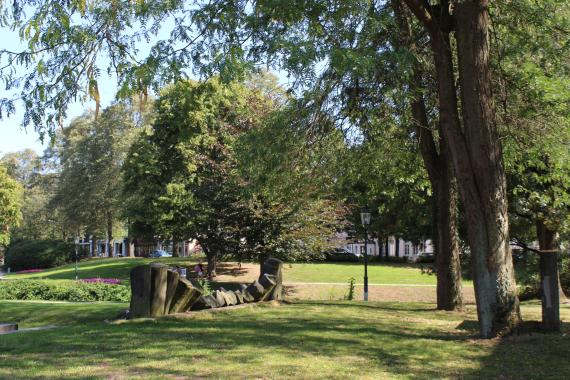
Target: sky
<point>14,138</point>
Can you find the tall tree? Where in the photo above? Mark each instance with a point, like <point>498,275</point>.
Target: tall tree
<point>475,151</point>
<point>436,158</point>
<point>307,39</point>
<point>92,152</point>
<point>10,205</point>
<point>38,177</point>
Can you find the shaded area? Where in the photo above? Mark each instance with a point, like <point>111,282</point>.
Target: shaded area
<point>303,339</point>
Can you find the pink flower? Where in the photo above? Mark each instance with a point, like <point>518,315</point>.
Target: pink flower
<point>111,281</point>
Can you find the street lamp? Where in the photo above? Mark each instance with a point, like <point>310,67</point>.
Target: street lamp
<point>365,219</point>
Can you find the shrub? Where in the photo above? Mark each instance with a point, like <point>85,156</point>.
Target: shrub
<point>343,258</point>
<point>38,254</point>
<point>394,259</point>
<point>426,259</point>
<point>63,291</point>
<point>351,289</point>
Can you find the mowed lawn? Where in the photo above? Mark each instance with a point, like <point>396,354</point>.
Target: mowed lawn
<point>383,273</point>
<point>301,340</point>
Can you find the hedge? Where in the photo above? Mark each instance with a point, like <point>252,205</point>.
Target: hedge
<point>74,291</point>
<point>38,254</point>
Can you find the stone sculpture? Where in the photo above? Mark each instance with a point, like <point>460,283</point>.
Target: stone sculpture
<point>157,290</point>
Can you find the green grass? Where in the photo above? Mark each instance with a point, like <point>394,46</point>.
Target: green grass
<point>316,340</point>
<point>103,268</point>
<point>383,273</point>
<point>313,272</point>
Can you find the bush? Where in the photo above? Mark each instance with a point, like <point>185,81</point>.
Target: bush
<point>343,258</point>
<point>394,259</point>
<point>38,254</point>
<point>63,291</point>
<point>426,259</point>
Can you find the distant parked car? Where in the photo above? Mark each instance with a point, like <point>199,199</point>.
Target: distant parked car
<point>160,253</point>
<point>341,254</point>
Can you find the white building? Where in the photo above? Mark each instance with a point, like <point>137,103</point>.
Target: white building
<point>395,247</point>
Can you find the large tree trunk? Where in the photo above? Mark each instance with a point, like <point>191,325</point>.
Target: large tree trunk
<point>435,155</point>
<point>547,242</point>
<point>397,247</point>
<point>449,287</point>
<point>175,247</point>
<point>476,155</point>
<point>551,292</point>
<point>484,193</point>
<point>212,258</point>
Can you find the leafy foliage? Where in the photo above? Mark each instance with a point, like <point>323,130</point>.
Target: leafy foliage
<point>73,291</point>
<point>91,154</point>
<point>38,177</point>
<point>10,205</point>
<point>37,254</point>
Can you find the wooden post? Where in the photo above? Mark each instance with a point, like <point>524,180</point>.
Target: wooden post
<point>549,291</point>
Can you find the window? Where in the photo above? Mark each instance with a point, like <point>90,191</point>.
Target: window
<point>362,249</point>
<point>407,249</point>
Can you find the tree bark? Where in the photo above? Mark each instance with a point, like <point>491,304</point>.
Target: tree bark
<point>175,247</point>
<point>476,155</point>
<point>212,262</point>
<point>484,194</point>
<point>397,247</point>
<point>549,277</point>
<point>435,155</point>
<point>110,238</point>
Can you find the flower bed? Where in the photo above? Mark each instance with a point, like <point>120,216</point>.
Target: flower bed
<point>110,281</point>
<point>30,271</point>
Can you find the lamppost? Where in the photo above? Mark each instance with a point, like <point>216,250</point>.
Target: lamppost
<point>365,219</point>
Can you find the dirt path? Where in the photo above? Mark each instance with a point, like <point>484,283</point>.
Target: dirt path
<point>231,273</point>
<point>407,293</point>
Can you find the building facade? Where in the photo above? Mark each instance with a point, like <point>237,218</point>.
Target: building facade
<point>392,247</point>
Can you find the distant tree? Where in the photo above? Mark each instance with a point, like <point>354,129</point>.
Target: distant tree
<point>180,177</point>
<point>92,151</point>
<point>197,174</point>
<point>10,205</point>
<point>38,177</point>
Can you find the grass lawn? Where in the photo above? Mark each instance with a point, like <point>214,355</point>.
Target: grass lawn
<point>103,268</point>
<point>311,273</point>
<point>302,340</point>
<point>383,273</point>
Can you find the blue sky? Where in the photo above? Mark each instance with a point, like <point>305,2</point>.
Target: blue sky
<point>14,138</point>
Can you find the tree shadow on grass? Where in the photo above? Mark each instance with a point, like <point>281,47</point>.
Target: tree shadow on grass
<point>299,340</point>
<point>244,340</point>
<point>528,353</point>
